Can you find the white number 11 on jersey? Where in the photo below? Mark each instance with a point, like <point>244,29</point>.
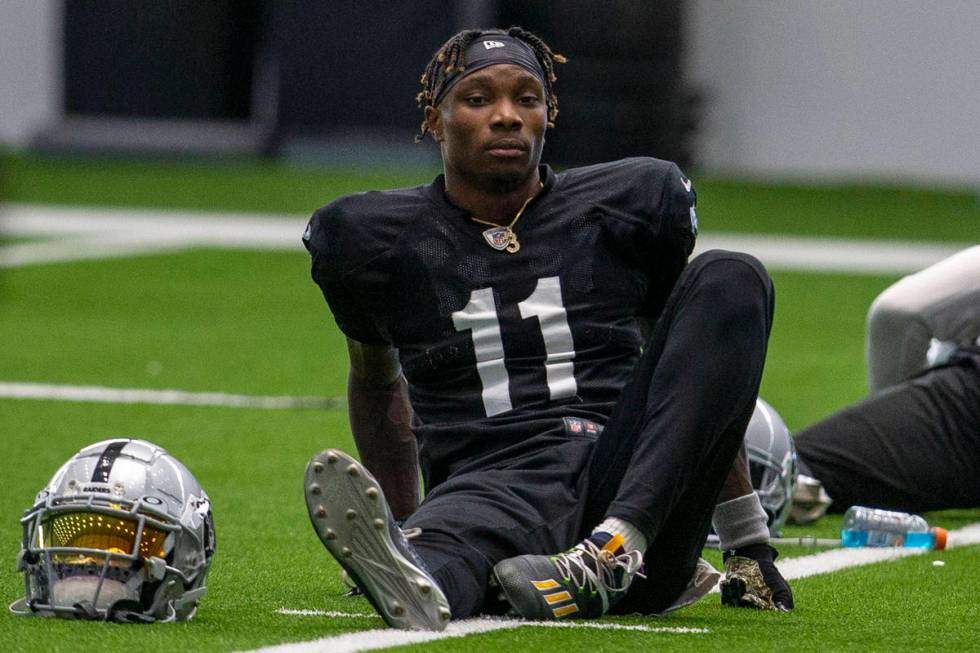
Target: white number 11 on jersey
<point>480,317</point>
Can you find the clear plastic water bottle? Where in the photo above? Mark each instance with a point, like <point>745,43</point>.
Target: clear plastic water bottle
<point>874,527</point>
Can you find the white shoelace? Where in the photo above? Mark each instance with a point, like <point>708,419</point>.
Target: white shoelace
<point>572,564</point>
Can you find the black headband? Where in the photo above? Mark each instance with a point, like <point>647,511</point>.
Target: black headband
<point>489,50</point>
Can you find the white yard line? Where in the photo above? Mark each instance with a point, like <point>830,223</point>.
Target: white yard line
<point>73,234</point>
<point>801,567</point>
<point>369,640</point>
<point>90,247</point>
<point>91,393</point>
<point>95,233</point>
<point>515,623</point>
<point>326,613</point>
<point>834,559</point>
<point>841,255</point>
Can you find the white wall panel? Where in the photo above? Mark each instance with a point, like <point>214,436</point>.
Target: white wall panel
<point>884,89</point>
<point>30,65</point>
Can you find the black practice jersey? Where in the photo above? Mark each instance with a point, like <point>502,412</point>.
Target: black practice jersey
<point>498,346</point>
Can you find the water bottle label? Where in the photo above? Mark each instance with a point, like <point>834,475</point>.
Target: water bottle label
<point>850,537</point>
<point>919,540</point>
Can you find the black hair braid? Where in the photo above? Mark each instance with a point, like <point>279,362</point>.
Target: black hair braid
<point>451,57</point>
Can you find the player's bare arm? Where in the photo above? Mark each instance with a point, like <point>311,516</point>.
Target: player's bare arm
<point>380,416</point>
<point>738,483</point>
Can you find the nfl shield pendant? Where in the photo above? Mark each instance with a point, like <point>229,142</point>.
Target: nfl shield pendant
<point>499,237</point>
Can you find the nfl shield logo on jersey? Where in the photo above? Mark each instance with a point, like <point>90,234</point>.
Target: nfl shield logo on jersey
<point>498,237</point>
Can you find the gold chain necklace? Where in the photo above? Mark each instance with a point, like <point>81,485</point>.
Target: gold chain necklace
<point>503,238</point>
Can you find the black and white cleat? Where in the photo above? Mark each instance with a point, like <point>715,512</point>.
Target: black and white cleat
<point>351,517</point>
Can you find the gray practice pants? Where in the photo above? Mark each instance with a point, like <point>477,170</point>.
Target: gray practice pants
<point>942,302</point>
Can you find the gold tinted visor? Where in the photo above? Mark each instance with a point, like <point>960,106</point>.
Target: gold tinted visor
<point>92,530</point>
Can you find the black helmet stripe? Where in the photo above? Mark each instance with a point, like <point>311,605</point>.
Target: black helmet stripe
<point>106,461</point>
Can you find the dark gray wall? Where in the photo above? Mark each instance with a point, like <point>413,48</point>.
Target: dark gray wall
<point>155,59</point>
<point>317,71</point>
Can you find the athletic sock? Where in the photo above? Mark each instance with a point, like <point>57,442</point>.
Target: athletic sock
<point>633,539</point>
<point>740,522</point>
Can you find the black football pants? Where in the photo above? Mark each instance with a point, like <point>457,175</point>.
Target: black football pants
<point>913,447</point>
<point>675,432</point>
<point>659,463</point>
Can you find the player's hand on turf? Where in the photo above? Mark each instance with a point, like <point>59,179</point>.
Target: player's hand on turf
<point>781,594</point>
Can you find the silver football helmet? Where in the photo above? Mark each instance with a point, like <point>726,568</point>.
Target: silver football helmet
<point>122,532</point>
<point>772,463</point>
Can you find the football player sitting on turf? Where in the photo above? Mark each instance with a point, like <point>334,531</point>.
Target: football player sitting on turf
<point>494,317</point>
<point>914,444</point>
<point>122,532</point>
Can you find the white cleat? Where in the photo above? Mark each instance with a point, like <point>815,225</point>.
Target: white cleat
<point>351,518</point>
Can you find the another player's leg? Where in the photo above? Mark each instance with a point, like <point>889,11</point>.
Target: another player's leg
<point>941,302</point>
<point>351,517</point>
<point>660,463</point>
<point>913,447</point>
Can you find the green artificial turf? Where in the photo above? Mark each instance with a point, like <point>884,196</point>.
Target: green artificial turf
<point>816,350</point>
<point>853,211</point>
<point>251,463</point>
<point>267,186</point>
<point>240,185</point>
<point>244,322</point>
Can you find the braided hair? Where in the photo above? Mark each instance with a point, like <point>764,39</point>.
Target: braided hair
<point>451,58</point>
